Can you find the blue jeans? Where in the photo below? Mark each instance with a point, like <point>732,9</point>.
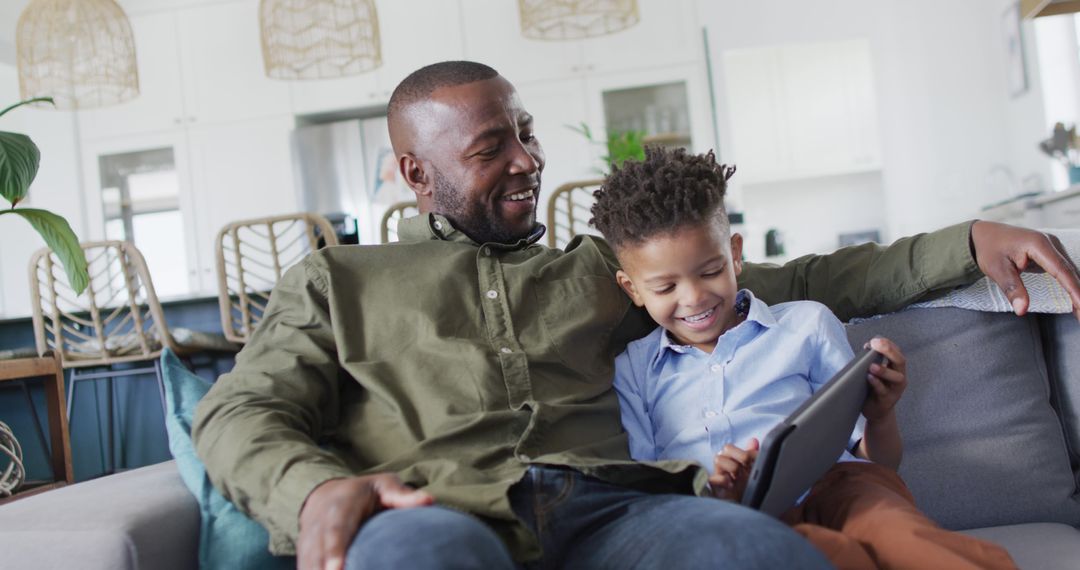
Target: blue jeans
<point>583,522</point>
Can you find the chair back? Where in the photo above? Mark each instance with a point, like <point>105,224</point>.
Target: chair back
<point>394,214</point>
<point>568,211</point>
<point>252,255</point>
<point>116,319</point>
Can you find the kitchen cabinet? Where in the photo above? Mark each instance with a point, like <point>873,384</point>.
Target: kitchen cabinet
<point>492,34</point>
<point>802,111</point>
<point>160,104</point>
<point>222,65</point>
<point>433,37</point>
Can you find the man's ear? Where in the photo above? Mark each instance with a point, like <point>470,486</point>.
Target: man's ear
<point>412,172</point>
<point>627,285</point>
<point>736,253</point>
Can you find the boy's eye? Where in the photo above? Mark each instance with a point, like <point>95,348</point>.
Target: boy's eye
<point>664,290</point>
<point>714,273</point>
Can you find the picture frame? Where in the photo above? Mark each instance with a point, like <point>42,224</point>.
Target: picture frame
<point>1013,36</point>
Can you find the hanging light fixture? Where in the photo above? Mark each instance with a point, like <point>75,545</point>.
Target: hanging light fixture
<point>576,19</point>
<point>317,39</point>
<point>79,52</point>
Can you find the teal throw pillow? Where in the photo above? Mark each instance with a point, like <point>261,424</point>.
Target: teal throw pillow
<point>227,537</point>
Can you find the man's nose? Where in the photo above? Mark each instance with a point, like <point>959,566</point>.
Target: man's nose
<point>524,162</point>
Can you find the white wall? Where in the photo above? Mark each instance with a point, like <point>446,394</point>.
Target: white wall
<point>945,116</point>
<point>55,189</point>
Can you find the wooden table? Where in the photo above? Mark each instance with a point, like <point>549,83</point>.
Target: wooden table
<point>60,442</point>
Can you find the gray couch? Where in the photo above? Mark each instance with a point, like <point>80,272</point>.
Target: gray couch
<point>991,423</point>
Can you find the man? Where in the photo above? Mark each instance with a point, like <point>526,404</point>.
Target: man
<point>471,367</point>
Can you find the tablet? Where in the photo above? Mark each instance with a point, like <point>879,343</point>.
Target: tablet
<point>798,451</point>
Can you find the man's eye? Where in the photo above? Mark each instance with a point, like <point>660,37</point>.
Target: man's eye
<point>489,152</point>
<point>527,137</point>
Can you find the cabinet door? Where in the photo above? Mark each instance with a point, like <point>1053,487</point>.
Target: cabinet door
<point>224,78</point>
<point>755,114</point>
<point>668,29</point>
<point>239,170</point>
<point>829,97</point>
<point>159,105</point>
<point>492,35</point>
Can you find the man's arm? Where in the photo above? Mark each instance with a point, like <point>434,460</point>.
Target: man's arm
<point>257,430</point>
<point>870,279</point>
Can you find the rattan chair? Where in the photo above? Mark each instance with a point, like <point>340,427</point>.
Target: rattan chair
<point>394,214</point>
<point>117,320</point>
<point>568,211</point>
<point>252,255</point>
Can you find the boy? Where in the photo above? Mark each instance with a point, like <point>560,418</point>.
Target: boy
<point>723,368</point>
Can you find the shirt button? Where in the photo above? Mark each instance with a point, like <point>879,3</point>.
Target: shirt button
<point>710,414</point>
<point>492,294</point>
<point>485,251</point>
<point>524,458</point>
<point>716,368</point>
<point>438,225</point>
<point>505,350</point>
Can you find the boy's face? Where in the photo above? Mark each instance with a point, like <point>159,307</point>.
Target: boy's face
<point>686,280</point>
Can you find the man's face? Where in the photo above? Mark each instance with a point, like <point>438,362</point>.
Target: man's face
<point>484,160</point>
<point>686,281</point>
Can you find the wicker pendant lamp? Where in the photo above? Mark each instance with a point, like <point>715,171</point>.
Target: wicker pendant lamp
<point>80,52</point>
<point>318,39</point>
<point>576,19</point>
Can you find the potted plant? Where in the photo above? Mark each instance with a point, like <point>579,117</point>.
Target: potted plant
<point>19,159</point>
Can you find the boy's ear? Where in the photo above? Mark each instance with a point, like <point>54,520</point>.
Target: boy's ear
<point>736,253</point>
<point>627,285</point>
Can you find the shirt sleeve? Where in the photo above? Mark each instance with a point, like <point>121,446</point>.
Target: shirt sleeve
<point>258,427</point>
<point>635,416</point>
<point>871,279</point>
<point>834,352</point>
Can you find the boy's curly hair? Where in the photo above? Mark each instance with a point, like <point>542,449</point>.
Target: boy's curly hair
<point>671,188</point>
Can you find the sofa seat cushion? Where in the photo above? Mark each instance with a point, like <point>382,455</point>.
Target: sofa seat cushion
<point>983,445</point>
<point>144,518</point>
<point>1035,546</point>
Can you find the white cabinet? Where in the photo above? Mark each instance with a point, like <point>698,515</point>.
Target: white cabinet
<point>802,110</point>
<point>239,170</point>
<point>414,33</point>
<point>492,35</point>
<point>222,65</point>
<point>160,103</point>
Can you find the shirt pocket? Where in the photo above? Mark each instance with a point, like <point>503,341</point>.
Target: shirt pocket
<point>579,315</point>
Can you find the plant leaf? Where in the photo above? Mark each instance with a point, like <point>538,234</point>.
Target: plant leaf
<point>61,239</point>
<point>19,159</point>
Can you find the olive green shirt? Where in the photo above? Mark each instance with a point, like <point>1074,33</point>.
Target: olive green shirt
<point>456,365</point>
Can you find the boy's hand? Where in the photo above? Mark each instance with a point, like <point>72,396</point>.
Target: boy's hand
<point>731,470</point>
<point>887,382</point>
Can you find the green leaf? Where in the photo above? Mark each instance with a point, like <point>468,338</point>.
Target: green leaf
<point>19,159</point>
<point>62,240</point>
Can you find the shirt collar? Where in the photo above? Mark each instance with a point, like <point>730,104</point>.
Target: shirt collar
<point>432,226</point>
<point>758,313</point>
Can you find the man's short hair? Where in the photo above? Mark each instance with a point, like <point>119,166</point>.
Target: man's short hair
<point>422,82</point>
<point>670,189</point>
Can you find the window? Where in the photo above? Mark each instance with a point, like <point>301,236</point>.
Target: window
<point>140,198</point>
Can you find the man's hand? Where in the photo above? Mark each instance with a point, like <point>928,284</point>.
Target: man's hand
<point>731,470</point>
<point>334,511</point>
<point>887,383</point>
<point>1003,251</point>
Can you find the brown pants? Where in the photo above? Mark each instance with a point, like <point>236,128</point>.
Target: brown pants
<point>861,515</point>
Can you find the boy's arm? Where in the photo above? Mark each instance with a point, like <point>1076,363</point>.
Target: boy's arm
<point>870,279</point>
<point>635,417</point>
<point>881,442</point>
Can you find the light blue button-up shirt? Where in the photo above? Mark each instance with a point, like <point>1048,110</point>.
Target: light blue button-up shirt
<point>679,402</point>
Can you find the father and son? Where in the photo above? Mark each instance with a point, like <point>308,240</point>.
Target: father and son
<point>469,398</point>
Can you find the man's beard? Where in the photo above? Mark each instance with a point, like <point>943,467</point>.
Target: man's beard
<point>470,218</point>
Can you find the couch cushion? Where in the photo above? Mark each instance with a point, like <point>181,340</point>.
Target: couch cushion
<point>1036,546</point>
<point>144,518</point>
<point>1063,362</point>
<point>228,538</point>
<point>982,444</point>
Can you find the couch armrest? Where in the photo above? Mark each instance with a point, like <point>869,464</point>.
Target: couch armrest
<point>144,518</point>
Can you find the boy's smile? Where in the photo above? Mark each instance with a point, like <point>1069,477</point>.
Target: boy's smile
<point>686,280</point>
